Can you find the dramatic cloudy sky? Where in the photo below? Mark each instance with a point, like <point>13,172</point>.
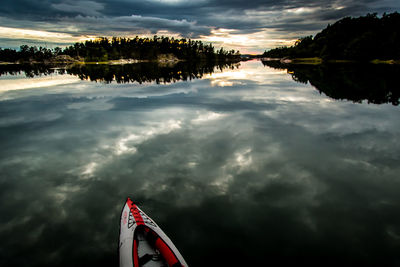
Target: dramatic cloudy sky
<point>247,25</point>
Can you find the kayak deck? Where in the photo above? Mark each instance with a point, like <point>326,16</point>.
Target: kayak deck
<point>148,255</point>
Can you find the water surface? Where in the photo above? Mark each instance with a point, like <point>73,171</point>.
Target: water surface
<point>243,166</point>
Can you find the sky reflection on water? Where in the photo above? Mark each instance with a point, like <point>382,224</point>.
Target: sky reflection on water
<point>243,167</point>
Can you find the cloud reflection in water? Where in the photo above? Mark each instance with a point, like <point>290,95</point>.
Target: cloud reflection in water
<point>267,170</point>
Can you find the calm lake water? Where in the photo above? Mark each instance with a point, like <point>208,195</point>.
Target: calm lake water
<point>244,166</point>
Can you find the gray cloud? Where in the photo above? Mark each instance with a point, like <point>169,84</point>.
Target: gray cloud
<point>190,19</point>
<point>89,8</point>
<point>134,24</point>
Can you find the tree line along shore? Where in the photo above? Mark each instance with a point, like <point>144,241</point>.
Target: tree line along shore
<point>123,50</point>
<point>366,38</point>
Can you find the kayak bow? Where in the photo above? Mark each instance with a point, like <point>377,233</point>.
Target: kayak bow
<point>143,243</point>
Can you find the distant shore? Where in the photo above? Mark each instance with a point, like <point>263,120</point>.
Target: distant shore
<point>66,60</point>
<point>318,61</point>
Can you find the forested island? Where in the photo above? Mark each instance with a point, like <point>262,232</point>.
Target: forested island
<point>365,38</point>
<point>128,50</point>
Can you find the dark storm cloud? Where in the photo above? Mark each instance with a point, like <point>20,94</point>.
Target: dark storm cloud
<point>26,8</point>
<point>89,8</point>
<point>193,18</point>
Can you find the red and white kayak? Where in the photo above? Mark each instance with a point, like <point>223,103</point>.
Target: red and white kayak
<point>143,243</point>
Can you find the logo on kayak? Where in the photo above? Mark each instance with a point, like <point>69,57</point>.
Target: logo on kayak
<point>125,217</point>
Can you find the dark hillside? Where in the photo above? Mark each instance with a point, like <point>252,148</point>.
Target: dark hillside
<point>364,38</point>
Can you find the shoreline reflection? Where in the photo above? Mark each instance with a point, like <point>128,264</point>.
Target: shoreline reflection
<point>377,84</point>
<point>127,73</point>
